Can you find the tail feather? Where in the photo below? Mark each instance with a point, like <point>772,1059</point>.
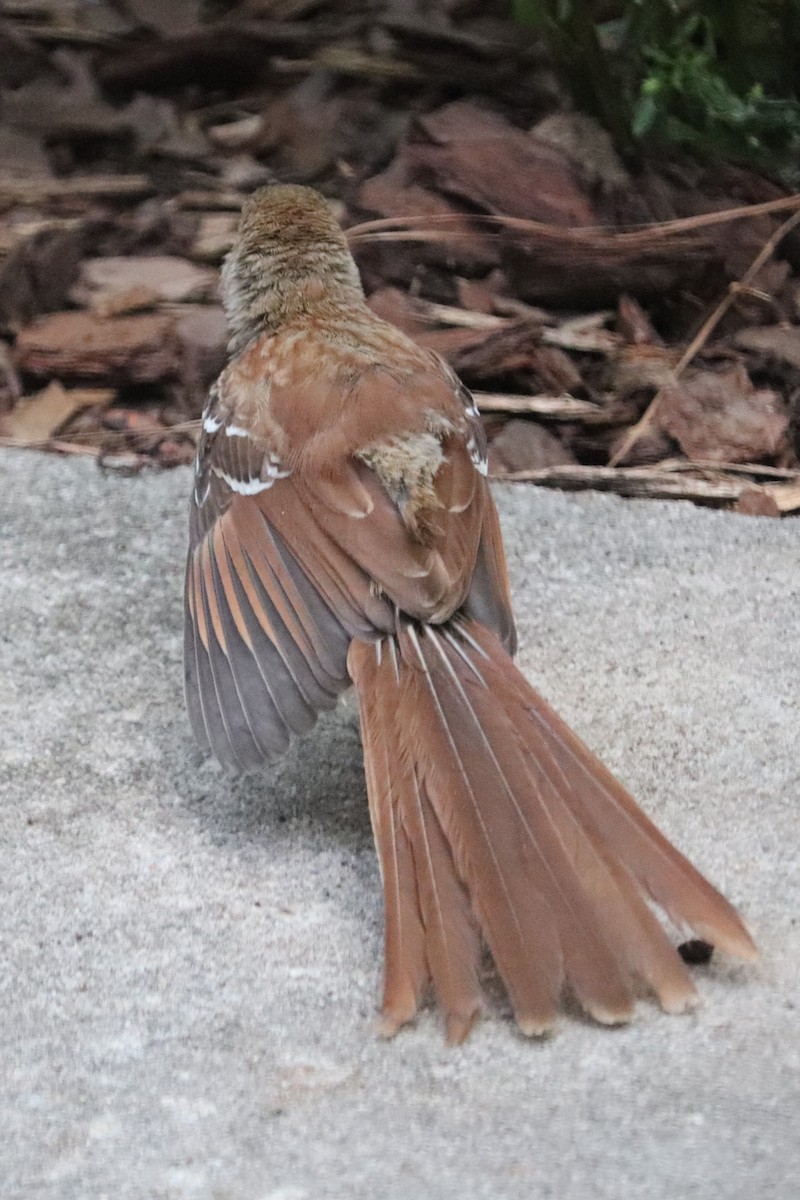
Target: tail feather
<point>632,931</point>
<point>528,854</point>
<point>613,819</point>
<point>498,806</point>
<point>429,925</point>
<point>452,937</point>
<point>406,968</point>
<point>490,855</point>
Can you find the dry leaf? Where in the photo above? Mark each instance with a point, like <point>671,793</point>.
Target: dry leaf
<point>723,418</point>
<point>37,418</point>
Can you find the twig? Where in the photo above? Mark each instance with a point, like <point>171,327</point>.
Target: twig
<point>552,408</point>
<point>461,318</point>
<point>583,333</point>
<point>62,447</point>
<point>418,228</point>
<point>634,481</point>
<point>59,34</point>
<point>345,61</point>
<point>703,334</point>
<point>654,483</point>
<point>756,470</point>
<point>28,191</point>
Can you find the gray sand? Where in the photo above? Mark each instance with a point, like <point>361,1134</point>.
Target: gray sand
<point>190,964</point>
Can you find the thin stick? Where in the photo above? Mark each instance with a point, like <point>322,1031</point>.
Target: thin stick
<point>30,191</point>
<point>708,465</point>
<point>633,481</point>
<point>655,483</point>
<point>703,334</point>
<point>414,228</point>
<point>553,408</point>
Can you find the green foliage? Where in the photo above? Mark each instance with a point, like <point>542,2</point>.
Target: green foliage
<point>720,77</point>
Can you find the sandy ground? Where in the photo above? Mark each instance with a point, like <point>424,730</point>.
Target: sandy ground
<point>190,964</point>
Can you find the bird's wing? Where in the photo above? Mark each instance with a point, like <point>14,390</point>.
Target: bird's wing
<point>489,599</point>
<point>264,651</point>
<point>326,499</point>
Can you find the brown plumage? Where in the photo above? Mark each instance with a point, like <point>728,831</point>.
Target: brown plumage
<point>342,531</point>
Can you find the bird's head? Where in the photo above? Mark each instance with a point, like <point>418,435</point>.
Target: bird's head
<point>290,257</point>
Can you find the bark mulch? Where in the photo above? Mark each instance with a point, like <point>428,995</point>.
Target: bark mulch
<point>630,327</point>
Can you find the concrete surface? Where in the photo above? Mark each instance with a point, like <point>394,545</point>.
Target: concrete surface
<point>190,964</point>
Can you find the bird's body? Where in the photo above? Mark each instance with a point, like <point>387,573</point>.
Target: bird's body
<point>342,531</point>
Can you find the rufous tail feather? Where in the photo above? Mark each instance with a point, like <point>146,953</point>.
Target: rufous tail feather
<point>492,819</point>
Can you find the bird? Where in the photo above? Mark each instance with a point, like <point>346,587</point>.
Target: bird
<point>342,533</point>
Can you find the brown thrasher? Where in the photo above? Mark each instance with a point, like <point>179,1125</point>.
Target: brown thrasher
<point>342,531</point>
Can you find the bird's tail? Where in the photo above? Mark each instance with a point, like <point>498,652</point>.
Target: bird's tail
<point>494,822</point>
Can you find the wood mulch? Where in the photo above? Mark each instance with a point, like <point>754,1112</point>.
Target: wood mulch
<point>626,327</point>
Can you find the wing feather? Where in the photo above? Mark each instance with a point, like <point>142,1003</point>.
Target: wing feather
<point>299,546</point>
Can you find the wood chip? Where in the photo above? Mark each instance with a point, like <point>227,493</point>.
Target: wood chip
<point>503,352</point>
<point>584,335</point>
<point>756,502</point>
<point>777,342</point>
<point>202,337</point>
<point>641,368</point>
<point>214,237</point>
<point>395,193</point>
<point>476,154</point>
<point>138,349</point>
<point>135,299</point>
<point>634,324</point>
<point>39,260</point>
<point>785,495</point>
<point>526,446</point>
<point>168,277</point>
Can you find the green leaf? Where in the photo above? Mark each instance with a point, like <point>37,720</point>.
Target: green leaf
<point>645,114</point>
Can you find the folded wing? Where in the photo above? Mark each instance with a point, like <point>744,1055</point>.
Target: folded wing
<point>296,548</point>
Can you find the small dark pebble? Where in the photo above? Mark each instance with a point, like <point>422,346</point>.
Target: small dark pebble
<point>696,951</point>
